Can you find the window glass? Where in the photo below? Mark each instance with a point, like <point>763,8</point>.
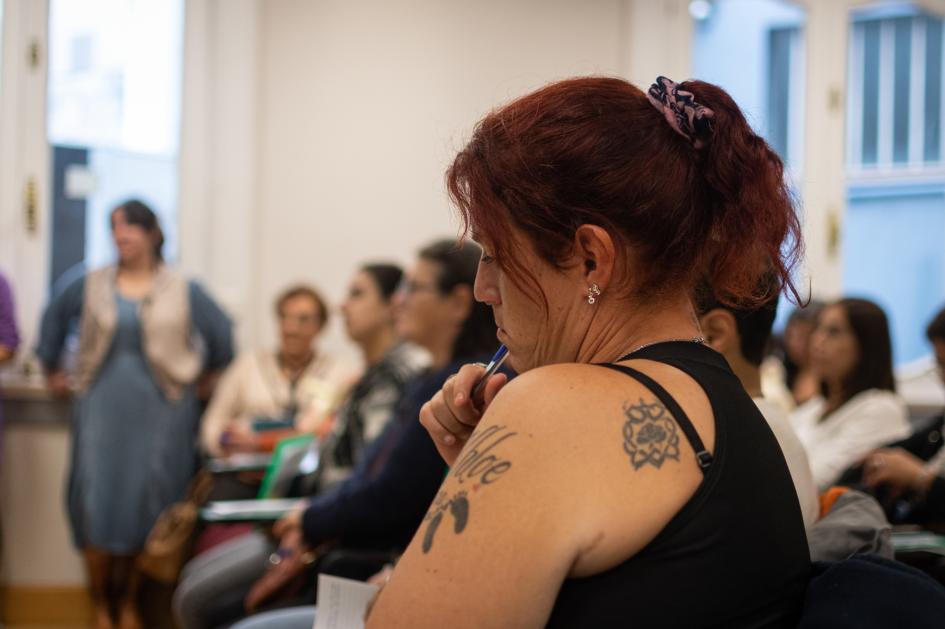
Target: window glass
<point>932,133</point>
<point>902,67</point>
<point>113,120</point>
<point>870,102</point>
<point>754,49</point>
<point>896,190</point>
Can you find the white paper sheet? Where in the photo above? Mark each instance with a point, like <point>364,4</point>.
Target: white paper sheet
<point>236,510</point>
<point>342,602</point>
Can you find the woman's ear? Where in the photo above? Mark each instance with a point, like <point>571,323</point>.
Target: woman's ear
<point>596,253</point>
<point>720,330</point>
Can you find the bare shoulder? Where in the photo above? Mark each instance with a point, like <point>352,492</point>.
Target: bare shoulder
<point>558,388</point>
<point>612,442</point>
<point>572,470</point>
<point>573,424</point>
<point>556,398</point>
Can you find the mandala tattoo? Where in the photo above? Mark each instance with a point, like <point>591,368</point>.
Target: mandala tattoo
<point>649,434</point>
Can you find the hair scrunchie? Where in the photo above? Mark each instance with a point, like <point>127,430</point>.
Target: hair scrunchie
<point>687,117</point>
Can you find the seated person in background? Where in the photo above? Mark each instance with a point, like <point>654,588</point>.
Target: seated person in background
<point>897,472</point>
<point>799,375</point>
<point>740,335</point>
<point>383,502</point>
<point>858,409</point>
<point>267,395</point>
<point>9,336</point>
<point>368,311</point>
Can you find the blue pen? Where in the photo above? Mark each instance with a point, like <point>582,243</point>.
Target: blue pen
<point>500,355</point>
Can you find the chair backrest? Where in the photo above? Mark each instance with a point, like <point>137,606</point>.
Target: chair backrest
<point>871,592</point>
<point>855,523</point>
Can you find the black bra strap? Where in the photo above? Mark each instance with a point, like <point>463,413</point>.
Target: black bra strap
<point>703,456</point>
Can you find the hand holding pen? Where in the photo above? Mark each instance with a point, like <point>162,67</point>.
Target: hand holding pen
<point>453,413</point>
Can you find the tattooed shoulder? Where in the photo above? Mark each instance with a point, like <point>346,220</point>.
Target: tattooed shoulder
<point>650,434</point>
<point>478,466</point>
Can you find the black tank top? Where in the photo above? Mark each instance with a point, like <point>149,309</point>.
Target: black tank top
<point>736,554</point>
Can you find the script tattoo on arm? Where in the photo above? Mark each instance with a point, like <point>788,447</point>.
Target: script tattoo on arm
<point>478,466</point>
<point>650,435</point>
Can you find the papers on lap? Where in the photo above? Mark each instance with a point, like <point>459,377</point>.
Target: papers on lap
<point>247,510</point>
<point>918,540</point>
<point>242,462</point>
<point>342,602</point>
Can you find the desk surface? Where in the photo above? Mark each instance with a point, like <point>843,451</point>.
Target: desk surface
<point>33,404</point>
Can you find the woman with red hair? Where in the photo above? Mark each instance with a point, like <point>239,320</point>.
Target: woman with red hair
<point>625,478</point>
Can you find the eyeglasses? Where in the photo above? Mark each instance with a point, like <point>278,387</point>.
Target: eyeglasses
<point>409,287</point>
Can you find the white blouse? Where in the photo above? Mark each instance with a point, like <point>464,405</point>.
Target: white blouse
<point>870,419</point>
<point>254,386</point>
<point>796,458</point>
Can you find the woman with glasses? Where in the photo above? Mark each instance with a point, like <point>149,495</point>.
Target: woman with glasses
<point>381,504</point>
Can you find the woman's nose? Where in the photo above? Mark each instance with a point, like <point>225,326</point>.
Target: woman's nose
<point>485,289</point>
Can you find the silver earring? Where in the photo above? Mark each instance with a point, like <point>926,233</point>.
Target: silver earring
<point>593,292</point>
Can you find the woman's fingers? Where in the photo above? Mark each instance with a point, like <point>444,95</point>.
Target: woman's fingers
<point>452,407</point>
<point>452,414</point>
<point>893,467</point>
<point>280,528</point>
<point>447,444</point>
<point>492,388</point>
<point>443,427</point>
<point>459,390</point>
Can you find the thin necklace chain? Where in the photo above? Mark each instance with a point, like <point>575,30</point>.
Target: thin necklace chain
<point>695,339</point>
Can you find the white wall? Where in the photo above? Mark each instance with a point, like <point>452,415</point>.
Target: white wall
<point>363,106</point>
<point>315,137</point>
<point>359,108</point>
<point>37,544</point>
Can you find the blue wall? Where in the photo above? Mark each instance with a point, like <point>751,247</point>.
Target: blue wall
<point>730,48</point>
<point>893,249</point>
<point>893,253</point>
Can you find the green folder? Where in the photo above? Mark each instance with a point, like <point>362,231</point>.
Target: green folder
<point>284,465</point>
<point>271,504</point>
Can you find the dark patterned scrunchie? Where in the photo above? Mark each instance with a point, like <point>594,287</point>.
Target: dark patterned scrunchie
<point>687,117</point>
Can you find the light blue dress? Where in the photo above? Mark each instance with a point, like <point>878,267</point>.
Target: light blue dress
<point>133,450</point>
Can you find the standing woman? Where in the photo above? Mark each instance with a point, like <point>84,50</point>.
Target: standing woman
<point>136,411</point>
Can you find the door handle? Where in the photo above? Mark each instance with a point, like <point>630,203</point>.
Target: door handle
<point>31,205</point>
